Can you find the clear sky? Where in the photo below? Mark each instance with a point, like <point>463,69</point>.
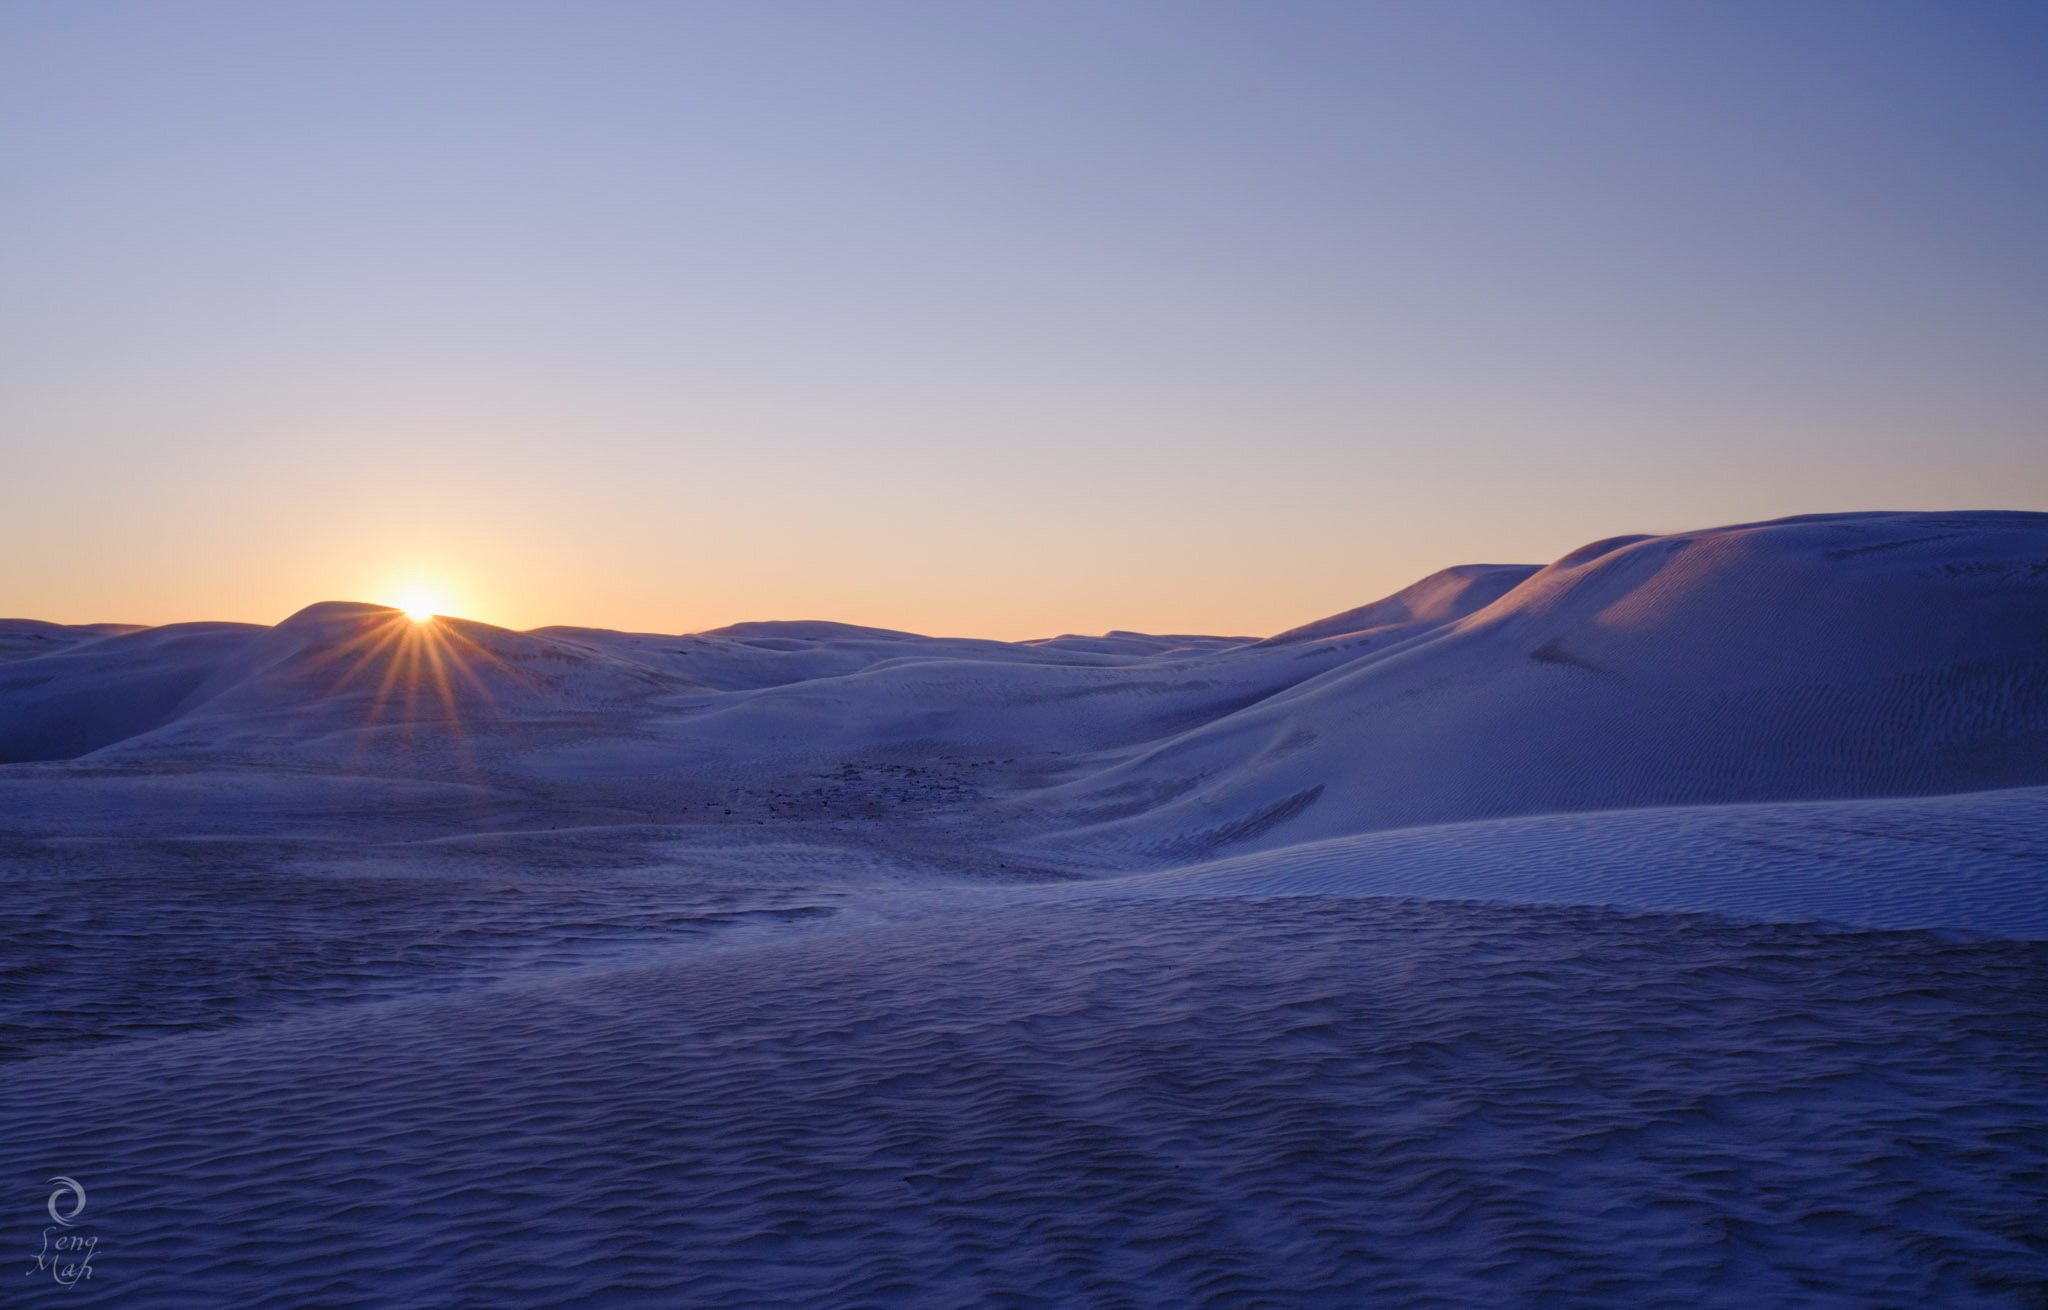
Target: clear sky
<point>989,319</point>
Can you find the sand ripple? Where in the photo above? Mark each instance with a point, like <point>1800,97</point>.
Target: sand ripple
<point>1215,1102</point>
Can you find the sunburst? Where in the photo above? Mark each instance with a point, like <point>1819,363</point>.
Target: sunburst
<point>419,604</point>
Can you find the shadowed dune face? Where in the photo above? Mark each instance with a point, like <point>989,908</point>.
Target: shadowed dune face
<point>27,639</point>
<point>78,700</point>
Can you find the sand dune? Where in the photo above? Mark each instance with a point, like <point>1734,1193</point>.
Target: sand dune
<point>1843,656</point>
<point>97,693</point>
<point>1662,925</point>
<point>1857,655</point>
<point>22,639</point>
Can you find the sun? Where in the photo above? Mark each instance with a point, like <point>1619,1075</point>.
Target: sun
<point>419,604</point>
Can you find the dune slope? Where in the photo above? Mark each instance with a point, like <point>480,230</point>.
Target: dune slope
<point>1861,655</point>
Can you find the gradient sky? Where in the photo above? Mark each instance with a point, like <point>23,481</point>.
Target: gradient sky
<point>989,319</point>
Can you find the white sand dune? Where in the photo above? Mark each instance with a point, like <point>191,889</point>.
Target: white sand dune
<point>1664,925</point>
<point>95,693</point>
<point>1840,656</point>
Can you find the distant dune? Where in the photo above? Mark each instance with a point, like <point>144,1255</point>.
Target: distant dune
<point>1826,656</point>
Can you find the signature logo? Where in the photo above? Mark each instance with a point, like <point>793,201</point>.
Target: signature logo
<point>67,1252</point>
<point>72,1186</point>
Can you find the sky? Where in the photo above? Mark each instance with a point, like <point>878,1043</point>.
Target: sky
<point>989,319</point>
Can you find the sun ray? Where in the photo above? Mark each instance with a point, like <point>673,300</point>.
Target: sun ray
<point>430,678</point>
<point>374,642</point>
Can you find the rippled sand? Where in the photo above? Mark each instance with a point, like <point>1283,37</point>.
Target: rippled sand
<point>1106,1102</point>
